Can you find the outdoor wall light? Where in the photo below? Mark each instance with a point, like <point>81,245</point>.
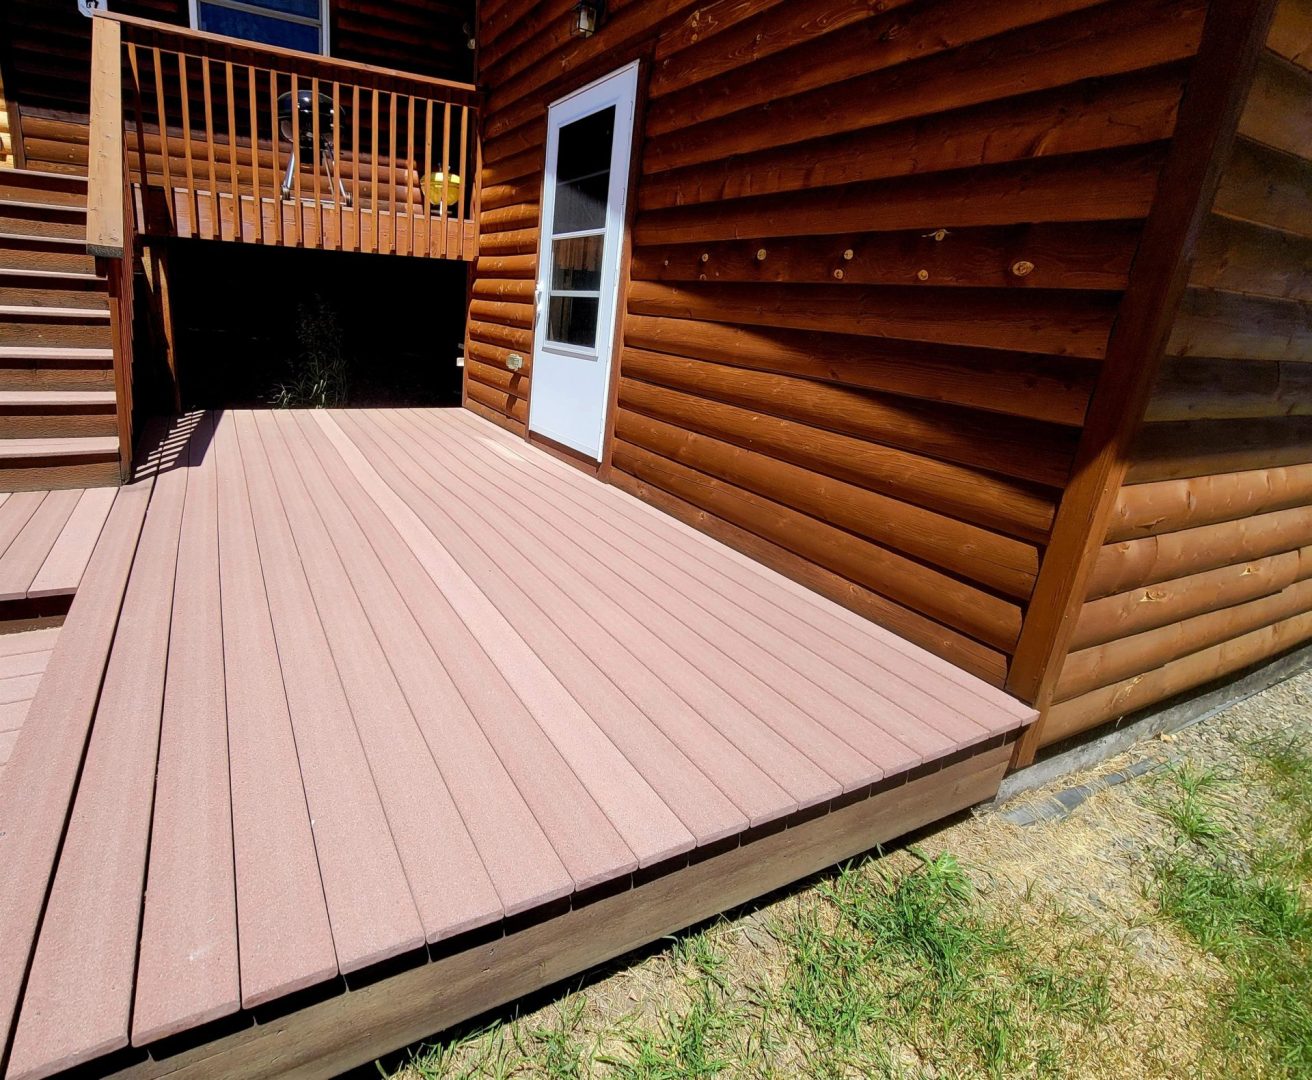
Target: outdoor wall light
<point>587,17</point>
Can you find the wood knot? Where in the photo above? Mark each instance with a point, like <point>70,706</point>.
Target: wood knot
<point>706,256</point>
<point>761,253</point>
<point>1022,268</point>
<point>922,275</point>
<point>849,255</point>
<point>938,234</point>
<point>838,274</point>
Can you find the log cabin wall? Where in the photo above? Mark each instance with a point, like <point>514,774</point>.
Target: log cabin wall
<point>877,251</point>
<point>1207,566</point>
<point>47,55</point>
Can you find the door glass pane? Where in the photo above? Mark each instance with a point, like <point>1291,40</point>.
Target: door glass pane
<point>583,172</point>
<point>572,320</point>
<point>576,263</point>
<point>585,145</point>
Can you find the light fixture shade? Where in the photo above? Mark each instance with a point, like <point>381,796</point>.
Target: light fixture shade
<point>587,17</point>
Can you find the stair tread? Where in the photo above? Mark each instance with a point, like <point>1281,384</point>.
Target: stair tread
<point>28,204</point>
<point>11,449</point>
<point>27,311</point>
<point>49,174</point>
<point>76,243</point>
<point>56,397</point>
<point>56,352</point>
<point>50,275</point>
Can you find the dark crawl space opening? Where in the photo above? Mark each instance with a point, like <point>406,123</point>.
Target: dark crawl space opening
<point>267,326</point>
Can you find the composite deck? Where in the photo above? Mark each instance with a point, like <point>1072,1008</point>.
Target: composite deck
<point>46,539</point>
<point>338,687</point>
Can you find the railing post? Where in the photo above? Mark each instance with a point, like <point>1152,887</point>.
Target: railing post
<point>105,164</point>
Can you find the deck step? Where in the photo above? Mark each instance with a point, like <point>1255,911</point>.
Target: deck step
<point>12,450</point>
<point>24,251</point>
<point>20,311</point>
<point>46,464</point>
<point>42,219</point>
<point>53,399</point>
<point>33,185</point>
<point>62,368</point>
<point>52,288</point>
<point>26,325</point>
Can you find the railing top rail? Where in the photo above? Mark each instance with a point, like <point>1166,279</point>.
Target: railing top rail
<point>149,33</point>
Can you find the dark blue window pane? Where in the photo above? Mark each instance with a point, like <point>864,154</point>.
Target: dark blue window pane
<point>307,8</point>
<point>269,31</point>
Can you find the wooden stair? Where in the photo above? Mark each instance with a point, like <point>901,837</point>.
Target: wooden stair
<point>58,423</point>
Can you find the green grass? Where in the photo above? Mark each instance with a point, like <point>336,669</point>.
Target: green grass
<point>913,961</point>
<point>1240,895</point>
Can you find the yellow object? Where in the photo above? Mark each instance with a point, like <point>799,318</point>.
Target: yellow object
<point>444,189</point>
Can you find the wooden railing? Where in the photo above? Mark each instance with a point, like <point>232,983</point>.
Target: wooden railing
<point>215,148</point>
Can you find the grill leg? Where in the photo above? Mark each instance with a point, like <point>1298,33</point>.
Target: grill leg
<point>330,163</point>
<point>287,179</point>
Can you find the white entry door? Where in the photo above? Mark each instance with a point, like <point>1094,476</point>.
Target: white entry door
<point>589,139</point>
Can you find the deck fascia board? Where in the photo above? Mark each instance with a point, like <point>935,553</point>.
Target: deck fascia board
<point>357,1026</point>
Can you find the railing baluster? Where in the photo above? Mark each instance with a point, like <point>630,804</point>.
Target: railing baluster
<point>275,138</point>
<point>460,199</point>
<point>158,70</point>
<point>215,218</point>
<point>410,174</point>
<point>446,176</point>
<point>134,68</point>
<point>391,172</point>
<point>193,226</point>
<point>238,229</point>
<point>428,176</point>
<point>355,161</point>
<point>373,175</point>
<point>256,194</point>
<point>295,163</point>
<point>335,174</point>
<point>316,155</point>
<point>474,186</point>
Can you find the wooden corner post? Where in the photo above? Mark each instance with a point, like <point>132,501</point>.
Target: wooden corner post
<point>105,172</point>
<point>1222,71</point>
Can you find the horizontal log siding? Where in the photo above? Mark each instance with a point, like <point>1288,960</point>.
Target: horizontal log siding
<point>877,252</point>
<point>48,58</point>
<point>1208,563</point>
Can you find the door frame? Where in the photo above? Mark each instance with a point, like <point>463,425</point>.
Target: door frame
<point>616,246</point>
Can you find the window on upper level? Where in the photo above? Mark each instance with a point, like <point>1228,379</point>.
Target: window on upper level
<point>288,24</point>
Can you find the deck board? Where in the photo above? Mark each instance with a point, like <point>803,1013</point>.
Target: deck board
<point>27,554</point>
<point>40,776</point>
<point>77,1002</point>
<point>819,718</point>
<point>579,833</point>
<point>504,835</point>
<point>695,800</point>
<point>370,909</point>
<point>188,969</point>
<point>381,677</point>
<point>67,559</point>
<point>283,935</point>
<point>643,828</point>
<point>780,762</point>
<point>905,711</point>
<point>396,752</point>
